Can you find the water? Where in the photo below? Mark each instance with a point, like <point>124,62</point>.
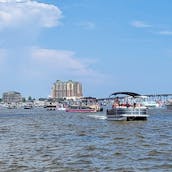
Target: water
<point>42,141</point>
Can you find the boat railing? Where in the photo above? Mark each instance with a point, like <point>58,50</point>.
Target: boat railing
<point>130,111</point>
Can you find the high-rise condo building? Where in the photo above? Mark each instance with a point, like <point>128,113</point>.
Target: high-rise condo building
<point>69,90</point>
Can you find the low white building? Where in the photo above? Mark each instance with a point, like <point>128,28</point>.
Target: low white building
<point>12,97</point>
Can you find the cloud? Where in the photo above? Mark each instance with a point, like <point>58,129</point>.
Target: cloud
<point>140,24</point>
<point>62,60</point>
<point>165,32</point>
<point>16,13</point>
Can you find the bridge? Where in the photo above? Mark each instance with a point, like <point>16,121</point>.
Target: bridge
<point>156,97</point>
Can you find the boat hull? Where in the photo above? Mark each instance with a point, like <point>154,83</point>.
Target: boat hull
<point>169,106</point>
<point>80,110</point>
<point>127,114</point>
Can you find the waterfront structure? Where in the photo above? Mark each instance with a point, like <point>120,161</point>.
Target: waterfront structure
<point>69,90</point>
<point>12,97</point>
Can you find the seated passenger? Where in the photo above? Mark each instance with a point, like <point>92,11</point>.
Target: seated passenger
<point>116,103</point>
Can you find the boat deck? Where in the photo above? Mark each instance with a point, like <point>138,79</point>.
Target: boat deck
<point>128,114</point>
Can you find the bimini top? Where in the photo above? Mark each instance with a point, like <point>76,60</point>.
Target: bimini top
<point>126,93</point>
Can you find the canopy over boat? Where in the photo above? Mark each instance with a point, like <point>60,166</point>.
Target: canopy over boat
<point>126,93</point>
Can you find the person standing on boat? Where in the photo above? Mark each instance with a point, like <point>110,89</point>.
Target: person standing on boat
<point>116,102</point>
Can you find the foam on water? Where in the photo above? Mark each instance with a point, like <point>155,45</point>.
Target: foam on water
<point>103,117</point>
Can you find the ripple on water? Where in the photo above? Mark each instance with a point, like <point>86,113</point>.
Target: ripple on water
<point>54,141</point>
<point>90,148</point>
<point>163,166</point>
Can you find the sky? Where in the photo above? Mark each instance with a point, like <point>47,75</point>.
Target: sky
<point>107,45</point>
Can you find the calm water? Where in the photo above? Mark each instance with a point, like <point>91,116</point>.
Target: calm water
<point>41,141</point>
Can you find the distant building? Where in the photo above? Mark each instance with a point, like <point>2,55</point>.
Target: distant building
<point>11,97</point>
<point>69,90</point>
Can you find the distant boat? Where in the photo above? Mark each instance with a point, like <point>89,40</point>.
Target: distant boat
<point>169,104</point>
<point>80,109</point>
<point>92,103</point>
<point>127,108</point>
<point>10,106</point>
<point>60,107</point>
<point>50,107</point>
<point>149,103</point>
<point>96,107</point>
<point>28,106</point>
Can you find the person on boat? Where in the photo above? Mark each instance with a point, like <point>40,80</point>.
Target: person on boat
<point>127,105</point>
<point>116,103</point>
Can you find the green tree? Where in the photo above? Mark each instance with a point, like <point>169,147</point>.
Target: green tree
<point>23,99</point>
<point>29,98</point>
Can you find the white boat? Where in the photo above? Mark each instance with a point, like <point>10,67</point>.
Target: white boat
<point>60,107</point>
<point>80,109</point>
<point>149,103</point>
<point>28,106</point>
<point>127,108</point>
<point>169,104</point>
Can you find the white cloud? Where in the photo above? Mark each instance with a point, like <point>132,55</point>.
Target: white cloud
<point>165,32</point>
<point>140,24</point>
<point>62,61</point>
<point>16,13</point>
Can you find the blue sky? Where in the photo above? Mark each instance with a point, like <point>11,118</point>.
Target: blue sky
<point>107,45</point>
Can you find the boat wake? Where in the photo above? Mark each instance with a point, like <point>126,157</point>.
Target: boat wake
<point>97,117</point>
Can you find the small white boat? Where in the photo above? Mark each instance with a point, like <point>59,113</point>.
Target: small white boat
<point>60,107</point>
<point>127,108</point>
<point>169,104</point>
<point>28,107</point>
<point>149,103</point>
<point>80,109</point>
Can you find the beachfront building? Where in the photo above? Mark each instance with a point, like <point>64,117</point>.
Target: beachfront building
<point>69,90</point>
<point>11,97</point>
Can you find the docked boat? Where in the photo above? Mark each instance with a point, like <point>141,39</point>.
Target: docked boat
<point>127,108</point>
<point>80,109</point>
